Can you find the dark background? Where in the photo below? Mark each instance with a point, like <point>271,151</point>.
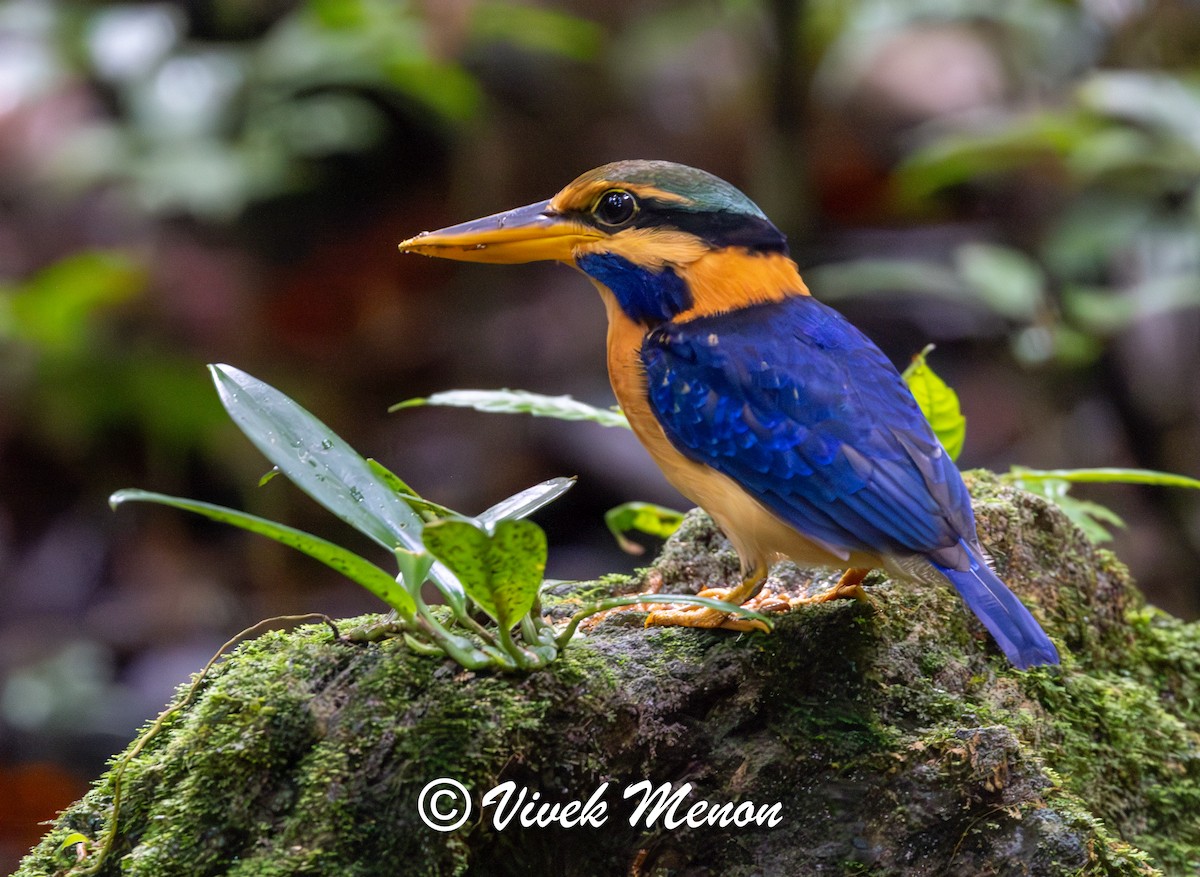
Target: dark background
<point>226,181</point>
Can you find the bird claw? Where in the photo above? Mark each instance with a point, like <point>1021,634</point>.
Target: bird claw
<point>837,592</point>
<point>849,587</point>
<point>702,616</point>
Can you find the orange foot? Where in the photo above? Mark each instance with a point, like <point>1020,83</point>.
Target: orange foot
<point>702,616</point>
<point>849,587</point>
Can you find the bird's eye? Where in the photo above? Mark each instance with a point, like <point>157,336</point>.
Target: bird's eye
<point>615,207</point>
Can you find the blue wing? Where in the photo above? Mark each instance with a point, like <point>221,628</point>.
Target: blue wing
<point>807,414</point>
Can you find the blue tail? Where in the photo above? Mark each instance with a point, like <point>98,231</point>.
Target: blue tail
<point>1017,632</point>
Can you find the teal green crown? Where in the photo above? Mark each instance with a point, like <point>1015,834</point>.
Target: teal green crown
<point>707,193</point>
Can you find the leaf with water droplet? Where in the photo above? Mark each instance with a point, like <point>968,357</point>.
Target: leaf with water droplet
<point>324,466</point>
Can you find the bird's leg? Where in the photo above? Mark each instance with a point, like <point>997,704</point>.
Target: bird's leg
<point>701,616</point>
<point>849,587</point>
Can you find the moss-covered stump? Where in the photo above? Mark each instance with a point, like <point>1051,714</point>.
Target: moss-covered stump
<point>894,737</point>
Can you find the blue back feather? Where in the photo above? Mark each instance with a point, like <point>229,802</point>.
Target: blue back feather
<point>807,414</point>
<point>809,417</point>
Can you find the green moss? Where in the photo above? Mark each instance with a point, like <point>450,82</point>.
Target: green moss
<point>895,736</point>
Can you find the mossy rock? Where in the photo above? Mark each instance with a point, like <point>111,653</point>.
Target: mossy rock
<point>894,736</point>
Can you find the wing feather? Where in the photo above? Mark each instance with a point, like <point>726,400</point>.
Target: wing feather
<point>807,414</point>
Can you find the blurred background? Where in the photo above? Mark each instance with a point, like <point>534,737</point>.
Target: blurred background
<point>226,181</point>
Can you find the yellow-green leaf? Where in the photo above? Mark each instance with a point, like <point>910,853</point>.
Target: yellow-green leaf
<point>642,517</point>
<point>502,572</point>
<point>938,402</point>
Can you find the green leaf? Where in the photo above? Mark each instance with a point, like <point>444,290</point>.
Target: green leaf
<point>71,840</point>
<point>54,309</point>
<point>1107,312</point>
<point>642,517</point>
<point>1160,102</point>
<point>324,466</point>
<point>429,511</point>
<point>938,402</point>
<point>861,277</point>
<point>1004,279</point>
<point>349,564</point>
<point>414,569</point>
<point>1023,477</point>
<point>520,402</point>
<point>391,479</point>
<point>446,88</point>
<point>531,27</point>
<point>501,573</point>
<point>955,159</point>
<point>528,501</point>
<point>1091,517</point>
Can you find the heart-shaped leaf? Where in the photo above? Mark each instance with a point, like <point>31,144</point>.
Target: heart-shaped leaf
<point>501,572</point>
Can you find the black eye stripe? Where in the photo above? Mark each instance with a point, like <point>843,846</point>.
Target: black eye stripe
<point>619,209</point>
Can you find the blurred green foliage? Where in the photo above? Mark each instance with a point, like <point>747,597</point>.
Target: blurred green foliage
<point>1098,114</point>
<point>201,113</point>
<point>1125,244</point>
<point>66,368</point>
<point>205,123</point>
<point>53,311</point>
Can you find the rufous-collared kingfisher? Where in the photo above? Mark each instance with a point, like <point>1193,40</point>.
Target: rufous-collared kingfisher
<point>760,404</point>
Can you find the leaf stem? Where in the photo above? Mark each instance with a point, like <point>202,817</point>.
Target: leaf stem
<point>635,599</point>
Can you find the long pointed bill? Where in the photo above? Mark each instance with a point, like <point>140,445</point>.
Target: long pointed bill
<point>527,234</point>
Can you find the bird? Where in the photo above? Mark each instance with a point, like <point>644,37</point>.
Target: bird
<point>762,405</point>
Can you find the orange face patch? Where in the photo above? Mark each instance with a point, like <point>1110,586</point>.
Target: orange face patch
<point>725,280</point>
